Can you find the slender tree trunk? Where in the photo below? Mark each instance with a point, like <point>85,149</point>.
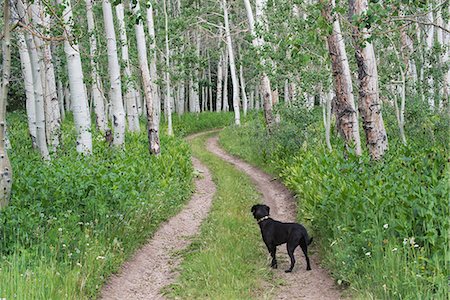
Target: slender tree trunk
<point>6,175</point>
<point>219,93</point>
<point>153,73</point>
<point>258,43</point>
<point>210,91</point>
<point>130,93</point>
<point>225,106</point>
<point>79,103</point>
<point>36,70</point>
<point>117,110</point>
<point>96,88</point>
<point>346,118</point>
<point>168,94</point>
<point>234,79</point>
<point>369,100</point>
<point>152,131</point>
<point>442,38</point>
<point>429,41</point>
<point>29,87</point>
<point>244,93</point>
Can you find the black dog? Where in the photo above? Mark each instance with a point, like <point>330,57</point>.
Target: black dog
<point>275,233</point>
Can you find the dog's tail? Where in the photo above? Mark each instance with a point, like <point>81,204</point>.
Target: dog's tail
<point>310,241</point>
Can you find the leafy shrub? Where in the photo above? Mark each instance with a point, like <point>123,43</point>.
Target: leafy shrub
<point>75,219</point>
<point>381,226</point>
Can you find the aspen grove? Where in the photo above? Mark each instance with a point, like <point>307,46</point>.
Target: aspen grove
<point>95,80</point>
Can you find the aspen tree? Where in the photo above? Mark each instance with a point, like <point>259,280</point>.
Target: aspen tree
<point>346,117</point>
<point>237,118</point>
<point>79,102</point>
<point>369,99</point>
<point>168,98</point>
<point>96,87</point>
<point>6,175</point>
<point>146,80</point>
<point>117,110</point>
<point>130,90</point>
<point>258,43</point>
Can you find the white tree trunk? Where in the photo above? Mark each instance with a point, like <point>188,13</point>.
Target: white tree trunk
<point>117,109</point>
<point>181,98</point>
<point>41,140</point>
<point>369,100</point>
<point>78,95</point>
<point>234,78</point>
<point>6,175</point>
<point>52,114</point>
<point>258,43</point>
<point>219,93</point>
<point>346,117</point>
<point>429,42</point>
<point>225,82</point>
<point>244,93</point>
<point>130,93</point>
<point>153,70</point>
<point>168,97</point>
<point>28,83</point>
<point>96,88</point>
<point>152,131</point>
<point>443,40</point>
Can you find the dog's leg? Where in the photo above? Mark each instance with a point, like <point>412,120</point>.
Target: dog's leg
<point>304,247</point>
<point>290,249</point>
<point>273,251</point>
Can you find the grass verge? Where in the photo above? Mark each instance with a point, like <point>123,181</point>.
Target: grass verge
<point>224,260</point>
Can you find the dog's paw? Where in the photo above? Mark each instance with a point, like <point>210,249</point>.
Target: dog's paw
<point>288,271</point>
<point>274,266</point>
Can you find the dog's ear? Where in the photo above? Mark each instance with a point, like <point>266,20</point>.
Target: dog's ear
<point>268,209</point>
<point>253,208</point>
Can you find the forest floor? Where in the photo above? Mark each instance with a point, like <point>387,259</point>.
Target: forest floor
<point>154,266</point>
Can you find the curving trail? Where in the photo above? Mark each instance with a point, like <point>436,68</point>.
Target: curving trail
<point>300,284</point>
<point>153,266</point>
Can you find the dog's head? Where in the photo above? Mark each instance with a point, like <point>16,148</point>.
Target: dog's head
<point>260,210</point>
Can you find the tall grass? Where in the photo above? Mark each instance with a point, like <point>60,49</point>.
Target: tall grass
<point>74,220</point>
<point>382,226</point>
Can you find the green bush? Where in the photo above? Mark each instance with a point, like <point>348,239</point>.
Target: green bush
<point>73,221</point>
<point>382,227</point>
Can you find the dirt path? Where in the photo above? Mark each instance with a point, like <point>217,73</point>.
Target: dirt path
<point>152,267</point>
<point>300,284</point>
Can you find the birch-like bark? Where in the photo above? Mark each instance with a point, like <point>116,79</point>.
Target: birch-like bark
<point>79,102</point>
<point>234,79</point>
<point>244,93</point>
<point>130,89</point>
<point>429,41</point>
<point>443,40</point>
<point>219,93</point>
<point>252,100</point>
<point>28,84</point>
<point>210,91</point>
<point>181,96</point>
<point>153,70</point>
<point>168,98</point>
<point>369,100</point>
<point>346,117</point>
<point>52,113</point>
<point>6,175</point>
<point>96,88</point>
<point>225,106</point>
<point>258,43</point>
<point>41,140</point>
<point>152,131</point>
<point>117,109</point>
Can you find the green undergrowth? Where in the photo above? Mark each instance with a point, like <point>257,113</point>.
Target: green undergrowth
<point>74,220</point>
<point>193,122</point>
<point>382,227</point>
<point>224,260</point>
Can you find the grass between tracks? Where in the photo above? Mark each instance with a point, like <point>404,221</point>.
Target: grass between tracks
<point>225,259</point>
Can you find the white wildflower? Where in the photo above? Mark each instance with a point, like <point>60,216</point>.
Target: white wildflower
<point>386,226</point>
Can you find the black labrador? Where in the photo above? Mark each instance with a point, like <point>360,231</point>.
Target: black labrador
<point>275,233</point>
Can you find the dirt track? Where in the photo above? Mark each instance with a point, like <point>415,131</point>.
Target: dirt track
<point>152,267</point>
